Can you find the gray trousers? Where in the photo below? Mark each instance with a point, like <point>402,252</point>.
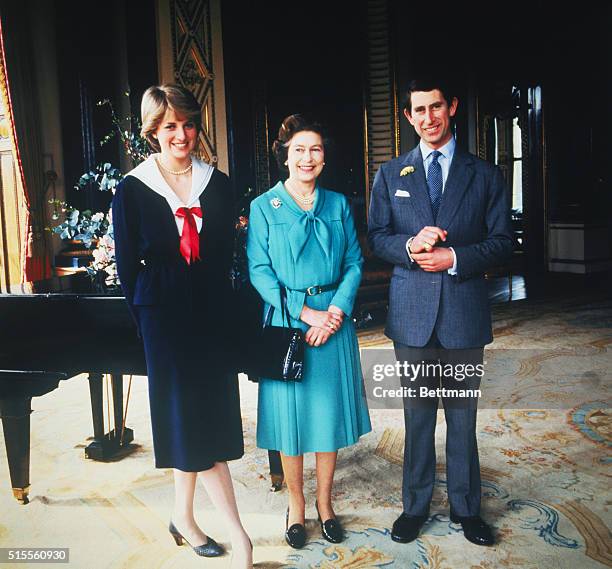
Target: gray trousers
<point>462,465</point>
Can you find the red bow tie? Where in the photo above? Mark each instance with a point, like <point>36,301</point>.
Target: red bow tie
<point>190,240</point>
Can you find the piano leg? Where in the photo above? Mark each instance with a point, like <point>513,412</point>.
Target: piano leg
<point>97,406</point>
<point>276,470</point>
<point>107,446</point>
<point>15,413</point>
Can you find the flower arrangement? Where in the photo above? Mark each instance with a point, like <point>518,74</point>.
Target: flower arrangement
<point>104,264</point>
<point>97,228</point>
<point>83,226</point>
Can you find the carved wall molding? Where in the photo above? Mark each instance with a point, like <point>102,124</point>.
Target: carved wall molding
<point>192,57</point>
<point>190,53</point>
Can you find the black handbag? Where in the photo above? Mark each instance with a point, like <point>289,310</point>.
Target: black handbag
<point>278,350</point>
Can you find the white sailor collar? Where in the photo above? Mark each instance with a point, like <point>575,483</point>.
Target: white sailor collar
<point>148,173</point>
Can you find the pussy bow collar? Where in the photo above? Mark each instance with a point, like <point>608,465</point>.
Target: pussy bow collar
<point>307,224</point>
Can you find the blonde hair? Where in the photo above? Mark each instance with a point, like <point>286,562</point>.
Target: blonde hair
<point>157,100</point>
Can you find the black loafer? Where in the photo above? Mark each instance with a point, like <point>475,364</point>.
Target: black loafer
<point>331,529</point>
<point>475,529</point>
<point>209,549</point>
<point>295,535</point>
<point>406,528</point>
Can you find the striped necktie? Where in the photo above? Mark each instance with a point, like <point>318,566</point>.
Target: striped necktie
<point>434,182</point>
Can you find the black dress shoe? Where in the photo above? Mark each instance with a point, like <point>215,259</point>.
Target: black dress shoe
<point>209,549</point>
<point>295,535</point>
<point>475,529</point>
<point>406,528</point>
<point>330,529</point>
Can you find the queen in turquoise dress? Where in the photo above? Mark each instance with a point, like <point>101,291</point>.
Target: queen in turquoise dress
<point>302,237</point>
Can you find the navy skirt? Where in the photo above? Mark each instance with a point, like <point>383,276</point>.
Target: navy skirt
<point>194,398</point>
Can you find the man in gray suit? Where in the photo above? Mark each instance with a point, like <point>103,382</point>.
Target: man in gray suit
<point>441,217</point>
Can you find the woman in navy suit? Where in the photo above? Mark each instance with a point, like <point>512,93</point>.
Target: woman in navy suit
<point>173,226</point>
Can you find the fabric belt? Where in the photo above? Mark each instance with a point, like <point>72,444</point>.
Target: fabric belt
<point>317,289</point>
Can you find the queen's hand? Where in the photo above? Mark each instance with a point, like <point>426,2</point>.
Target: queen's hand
<point>324,319</point>
<point>339,313</point>
<point>317,336</point>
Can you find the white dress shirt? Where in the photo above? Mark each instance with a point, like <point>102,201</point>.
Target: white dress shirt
<point>447,152</point>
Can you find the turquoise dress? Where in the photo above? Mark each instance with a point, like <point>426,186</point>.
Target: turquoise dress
<point>327,410</point>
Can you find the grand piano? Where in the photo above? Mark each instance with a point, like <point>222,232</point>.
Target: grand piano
<point>53,330</point>
<point>56,329</point>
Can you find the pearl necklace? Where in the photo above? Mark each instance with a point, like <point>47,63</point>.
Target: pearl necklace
<point>308,200</point>
<point>174,172</point>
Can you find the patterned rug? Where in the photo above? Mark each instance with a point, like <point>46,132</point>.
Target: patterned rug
<point>546,472</point>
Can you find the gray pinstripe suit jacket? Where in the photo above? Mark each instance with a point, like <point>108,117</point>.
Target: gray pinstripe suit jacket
<point>475,212</point>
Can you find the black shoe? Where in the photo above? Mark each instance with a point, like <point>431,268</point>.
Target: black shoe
<point>209,549</point>
<point>475,529</point>
<point>406,528</point>
<point>295,535</point>
<point>330,529</point>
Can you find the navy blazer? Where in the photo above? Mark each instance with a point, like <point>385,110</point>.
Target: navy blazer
<point>475,211</point>
<point>147,247</point>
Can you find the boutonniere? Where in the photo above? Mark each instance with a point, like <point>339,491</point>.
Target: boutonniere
<point>276,203</point>
<point>407,170</point>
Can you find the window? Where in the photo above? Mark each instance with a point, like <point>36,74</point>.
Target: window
<point>517,174</point>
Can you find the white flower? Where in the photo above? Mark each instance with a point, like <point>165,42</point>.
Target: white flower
<point>112,279</point>
<point>97,217</point>
<point>100,256</point>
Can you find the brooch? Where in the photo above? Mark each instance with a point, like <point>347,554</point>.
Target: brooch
<point>407,170</point>
<point>276,203</point>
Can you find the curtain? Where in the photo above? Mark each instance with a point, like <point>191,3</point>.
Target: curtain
<point>18,63</point>
<point>12,200</point>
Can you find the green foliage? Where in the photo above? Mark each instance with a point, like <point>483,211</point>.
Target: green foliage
<point>105,176</point>
<point>128,130</point>
<point>83,226</point>
<point>86,226</point>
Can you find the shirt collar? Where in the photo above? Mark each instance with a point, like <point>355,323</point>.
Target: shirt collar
<point>148,173</point>
<point>448,150</point>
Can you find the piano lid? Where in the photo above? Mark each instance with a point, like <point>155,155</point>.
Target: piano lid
<point>62,325</point>
<point>79,283</point>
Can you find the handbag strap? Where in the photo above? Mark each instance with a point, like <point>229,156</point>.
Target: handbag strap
<point>284,310</point>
